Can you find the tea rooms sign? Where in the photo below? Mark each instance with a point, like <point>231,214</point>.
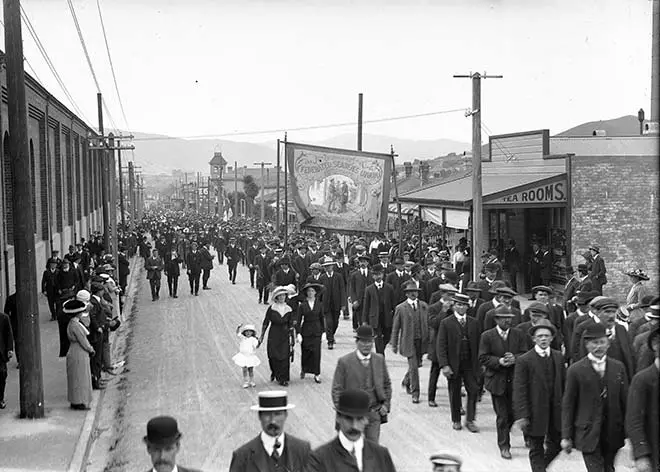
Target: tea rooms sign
<point>554,192</point>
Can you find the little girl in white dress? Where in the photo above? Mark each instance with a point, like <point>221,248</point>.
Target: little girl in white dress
<point>246,356</point>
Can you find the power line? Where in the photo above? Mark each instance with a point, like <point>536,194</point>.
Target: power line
<point>302,128</point>
<point>50,64</point>
<point>507,153</point>
<point>34,72</point>
<point>112,67</point>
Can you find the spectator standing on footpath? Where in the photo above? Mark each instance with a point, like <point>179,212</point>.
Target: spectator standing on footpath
<point>598,271</point>
<point>6,353</point>
<point>49,287</point>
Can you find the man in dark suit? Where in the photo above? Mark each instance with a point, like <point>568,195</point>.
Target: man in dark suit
<point>365,370</point>
<point>260,264</point>
<point>543,294</point>
<point>6,353</point>
<point>350,450</point>
<point>438,311</point>
<point>489,304</point>
<point>457,349</point>
<point>485,284</point>
<point>284,275</point>
<point>252,252</point>
<point>378,308</point>
<point>272,449</point>
<point>546,265</point>
<point>194,268</point>
<point>333,298</point>
<point>577,283</point>
<point>396,279</point>
<point>207,264</point>
<point>49,287</point>
<point>357,284</point>
<point>512,263</point>
<point>499,349</point>
<point>598,271</point>
<point>643,411</point>
<point>163,442</point>
<point>233,255</point>
<point>505,296</point>
<point>410,336</point>
<point>594,404</point>
<point>581,313</point>
<point>538,387</point>
<point>415,276</point>
<point>474,293</point>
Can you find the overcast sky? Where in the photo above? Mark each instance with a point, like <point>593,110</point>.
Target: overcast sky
<point>204,67</point>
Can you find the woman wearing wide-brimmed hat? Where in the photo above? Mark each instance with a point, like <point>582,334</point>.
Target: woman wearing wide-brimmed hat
<point>312,327</point>
<point>638,289</point>
<point>280,317</point>
<point>78,371</point>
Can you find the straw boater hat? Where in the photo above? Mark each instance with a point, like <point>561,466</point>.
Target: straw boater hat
<point>272,400</point>
<point>328,261</point>
<point>280,291</point>
<point>446,460</point>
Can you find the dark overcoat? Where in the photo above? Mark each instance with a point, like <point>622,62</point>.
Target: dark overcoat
<point>332,457</point>
<point>642,415</point>
<point>448,343</point>
<point>349,375</point>
<point>491,348</point>
<point>252,457</point>
<point>370,305</point>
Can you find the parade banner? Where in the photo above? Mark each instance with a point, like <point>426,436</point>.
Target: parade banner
<point>340,189</point>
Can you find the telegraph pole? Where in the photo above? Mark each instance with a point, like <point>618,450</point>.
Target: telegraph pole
<point>286,196</point>
<point>263,185</point>
<point>105,191</point>
<point>277,220</point>
<point>477,212</point>
<point>236,189</point>
<point>359,137</point>
<point>121,187</point>
<point>31,396</point>
<point>131,191</point>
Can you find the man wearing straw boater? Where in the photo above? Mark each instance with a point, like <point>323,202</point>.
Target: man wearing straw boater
<point>272,450</point>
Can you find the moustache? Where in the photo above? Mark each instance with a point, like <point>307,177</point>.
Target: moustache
<point>354,431</point>
<point>273,427</point>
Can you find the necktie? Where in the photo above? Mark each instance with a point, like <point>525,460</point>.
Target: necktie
<point>276,454</point>
<point>365,362</point>
<point>610,333</point>
<point>353,454</point>
<point>414,306</point>
<point>504,336</point>
<point>462,320</point>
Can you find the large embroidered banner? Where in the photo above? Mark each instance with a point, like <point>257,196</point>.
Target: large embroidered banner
<point>340,189</point>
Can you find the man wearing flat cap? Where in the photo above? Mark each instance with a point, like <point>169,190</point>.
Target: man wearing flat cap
<point>272,449</point>
<point>488,304</point>
<point>410,336</point>
<point>643,411</point>
<point>365,370</point>
<point>538,387</point>
<point>598,270</point>
<point>350,450</point>
<point>457,349</point>
<point>163,442</point>
<point>543,294</point>
<point>538,312</point>
<point>594,403</point>
<point>499,349</point>
<point>446,463</point>
<point>505,297</point>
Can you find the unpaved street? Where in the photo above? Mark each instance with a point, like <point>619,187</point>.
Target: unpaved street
<point>179,363</point>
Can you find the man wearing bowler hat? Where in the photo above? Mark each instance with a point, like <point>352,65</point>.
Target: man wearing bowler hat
<point>499,349</point>
<point>594,403</point>
<point>350,451</point>
<point>378,308</point>
<point>397,278</point>
<point>333,298</point>
<point>410,336</point>
<point>358,282</point>
<point>365,370</point>
<point>272,450</point>
<point>163,442</point>
<point>538,386</point>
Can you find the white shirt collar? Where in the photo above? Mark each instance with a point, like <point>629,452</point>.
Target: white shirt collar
<point>460,317</point>
<point>269,442</point>
<point>595,360</point>
<point>176,469</point>
<point>379,284</point>
<point>594,317</point>
<point>362,356</point>
<point>542,352</point>
<point>350,445</point>
<point>412,302</point>
<point>501,331</point>
<point>581,313</point>
<point>496,303</point>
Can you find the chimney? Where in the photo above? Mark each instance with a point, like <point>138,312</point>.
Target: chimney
<point>424,170</point>
<point>408,168</point>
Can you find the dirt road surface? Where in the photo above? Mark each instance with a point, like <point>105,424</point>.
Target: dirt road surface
<point>178,362</point>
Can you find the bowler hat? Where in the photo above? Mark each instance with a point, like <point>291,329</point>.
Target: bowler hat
<point>594,331</point>
<point>495,285</point>
<point>364,257</point>
<point>398,260</point>
<point>364,332</point>
<point>506,291</point>
<point>411,286</point>
<point>353,403</point>
<point>472,287</point>
<point>416,269</point>
<point>503,311</point>
<point>377,268</point>
<point>604,302</point>
<point>538,307</point>
<point>542,324</point>
<point>584,297</point>
<point>542,288</point>
<point>445,459</point>
<point>162,431</point>
<point>284,260</point>
<point>461,298</point>
<point>273,400</point>
<point>450,276</point>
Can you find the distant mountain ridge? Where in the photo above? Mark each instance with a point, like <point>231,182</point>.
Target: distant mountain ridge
<point>623,126</point>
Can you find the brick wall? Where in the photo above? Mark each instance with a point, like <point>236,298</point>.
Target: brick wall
<point>615,204</point>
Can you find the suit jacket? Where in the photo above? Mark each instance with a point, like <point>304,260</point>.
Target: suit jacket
<point>546,265</point>
<point>403,329</point>
<point>370,305</point>
<point>357,284</point>
<point>207,258</point>
<point>251,254</point>
<point>642,415</point>
<point>531,392</point>
<point>437,313</point>
<point>194,262</point>
<point>154,268</point>
<point>598,271</point>
<point>332,457</point>
<point>233,254</point>
<point>448,344</point>
<point>334,293</point>
<point>252,457</point>
<point>582,417</point>
<point>492,347</point>
<point>49,283</point>
<point>281,279</point>
<point>344,271</point>
<point>472,311</point>
<point>396,282</point>
<point>484,308</point>
<point>349,374</point>
<point>626,350</point>
<point>569,327</point>
<point>6,338</point>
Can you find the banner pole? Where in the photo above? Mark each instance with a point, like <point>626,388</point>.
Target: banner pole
<point>398,203</point>
<point>286,197</point>
<point>277,220</point>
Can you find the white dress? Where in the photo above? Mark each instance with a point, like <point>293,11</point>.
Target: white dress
<point>246,356</point>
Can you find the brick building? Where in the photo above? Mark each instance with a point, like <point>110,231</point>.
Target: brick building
<point>66,185</point>
<point>563,192</point>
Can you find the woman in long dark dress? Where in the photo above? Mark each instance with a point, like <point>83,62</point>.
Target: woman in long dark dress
<point>280,317</point>
<point>312,326</point>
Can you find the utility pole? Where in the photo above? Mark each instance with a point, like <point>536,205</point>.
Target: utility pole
<point>263,185</point>
<point>477,212</point>
<point>236,189</point>
<point>277,220</point>
<point>131,191</point>
<point>286,196</point>
<point>112,204</point>
<point>31,395</point>
<point>121,187</point>
<point>359,137</point>
<point>105,193</point>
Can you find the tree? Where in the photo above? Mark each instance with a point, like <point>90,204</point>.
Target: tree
<point>251,190</point>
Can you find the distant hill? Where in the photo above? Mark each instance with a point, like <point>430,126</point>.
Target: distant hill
<point>624,126</point>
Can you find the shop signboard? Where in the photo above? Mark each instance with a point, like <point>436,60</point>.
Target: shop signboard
<point>548,193</point>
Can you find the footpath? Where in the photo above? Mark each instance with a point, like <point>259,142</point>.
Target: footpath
<point>60,441</point>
